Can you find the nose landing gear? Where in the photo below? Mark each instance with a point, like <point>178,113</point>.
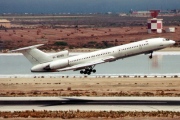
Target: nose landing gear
<point>150,57</point>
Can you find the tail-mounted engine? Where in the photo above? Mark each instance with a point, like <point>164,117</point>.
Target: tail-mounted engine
<point>51,66</point>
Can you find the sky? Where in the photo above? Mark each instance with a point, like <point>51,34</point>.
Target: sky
<point>84,6</point>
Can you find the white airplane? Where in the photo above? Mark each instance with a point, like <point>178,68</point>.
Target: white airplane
<point>61,61</point>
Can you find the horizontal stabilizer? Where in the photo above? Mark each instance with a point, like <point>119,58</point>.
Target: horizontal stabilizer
<point>27,48</point>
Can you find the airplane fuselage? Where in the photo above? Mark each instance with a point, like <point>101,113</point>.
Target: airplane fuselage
<point>118,52</point>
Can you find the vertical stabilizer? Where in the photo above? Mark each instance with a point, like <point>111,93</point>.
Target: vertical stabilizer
<point>34,55</point>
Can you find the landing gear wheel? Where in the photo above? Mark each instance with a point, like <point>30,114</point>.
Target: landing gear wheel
<point>88,70</point>
<point>150,57</point>
<point>81,71</point>
<point>93,70</point>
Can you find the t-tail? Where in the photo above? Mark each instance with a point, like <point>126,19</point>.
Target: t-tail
<point>37,57</point>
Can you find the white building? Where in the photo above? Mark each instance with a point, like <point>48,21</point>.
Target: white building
<point>141,13</point>
<point>5,23</point>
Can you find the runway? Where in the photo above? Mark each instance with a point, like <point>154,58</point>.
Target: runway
<point>90,103</point>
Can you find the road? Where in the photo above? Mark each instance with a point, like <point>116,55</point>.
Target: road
<point>90,103</point>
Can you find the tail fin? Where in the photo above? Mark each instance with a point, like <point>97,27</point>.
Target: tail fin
<point>34,55</point>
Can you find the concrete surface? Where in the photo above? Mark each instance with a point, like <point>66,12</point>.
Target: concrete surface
<point>90,103</point>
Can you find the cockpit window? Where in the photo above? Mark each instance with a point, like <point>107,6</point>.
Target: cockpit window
<point>166,39</point>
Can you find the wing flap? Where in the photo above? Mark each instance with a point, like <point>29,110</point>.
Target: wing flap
<point>109,59</point>
<point>81,66</point>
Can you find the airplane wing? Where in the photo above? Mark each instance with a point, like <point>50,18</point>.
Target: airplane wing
<point>84,65</point>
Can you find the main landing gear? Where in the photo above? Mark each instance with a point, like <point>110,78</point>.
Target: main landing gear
<point>88,71</point>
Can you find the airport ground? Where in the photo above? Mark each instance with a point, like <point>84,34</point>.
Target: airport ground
<point>89,87</point>
<point>81,115</point>
<point>124,86</point>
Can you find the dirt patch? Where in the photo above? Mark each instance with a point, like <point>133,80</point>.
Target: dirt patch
<point>92,114</point>
<point>90,87</point>
<point>77,38</point>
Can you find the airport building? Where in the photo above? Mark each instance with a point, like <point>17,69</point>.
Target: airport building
<point>140,13</point>
<point>5,23</point>
<point>148,13</point>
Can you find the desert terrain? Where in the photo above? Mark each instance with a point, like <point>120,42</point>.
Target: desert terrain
<point>73,32</point>
<point>70,38</point>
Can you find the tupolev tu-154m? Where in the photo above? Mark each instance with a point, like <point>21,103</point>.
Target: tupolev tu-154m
<point>61,61</point>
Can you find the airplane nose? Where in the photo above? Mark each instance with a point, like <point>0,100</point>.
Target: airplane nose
<point>172,42</point>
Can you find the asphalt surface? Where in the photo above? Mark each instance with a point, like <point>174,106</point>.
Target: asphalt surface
<point>90,103</point>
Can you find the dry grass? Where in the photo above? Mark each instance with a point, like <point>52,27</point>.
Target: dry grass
<point>88,114</point>
<point>90,87</point>
<point>16,38</point>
